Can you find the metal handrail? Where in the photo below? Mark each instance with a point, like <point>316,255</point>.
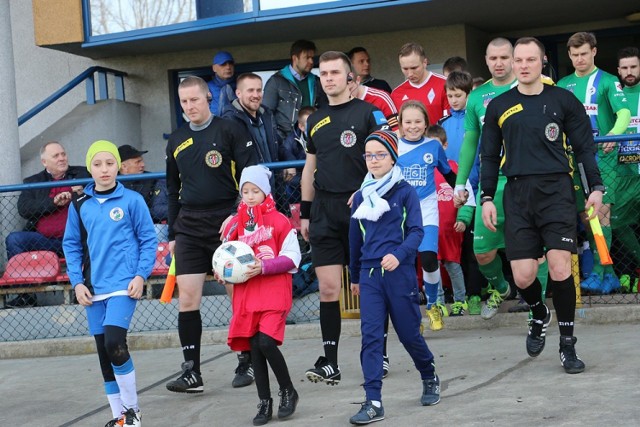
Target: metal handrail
<point>142,176</point>
<point>273,165</point>
<point>90,90</point>
<point>617,138</point>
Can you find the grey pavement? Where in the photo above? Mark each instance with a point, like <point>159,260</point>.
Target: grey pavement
<point>487,379</point>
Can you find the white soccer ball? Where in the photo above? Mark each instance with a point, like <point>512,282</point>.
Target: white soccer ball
<point>231,261</point>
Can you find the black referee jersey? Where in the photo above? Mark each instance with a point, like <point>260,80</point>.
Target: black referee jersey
<point>336,138</point>
<point>531,128</point>
<point>204,166</point>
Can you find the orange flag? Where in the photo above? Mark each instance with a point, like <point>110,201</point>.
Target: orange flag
<point>169,284</point>
<point>598,236</point>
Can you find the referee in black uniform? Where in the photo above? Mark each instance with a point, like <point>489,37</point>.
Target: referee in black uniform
<point>524,134</point>
<point>205,158</point>
<point>333,171</point>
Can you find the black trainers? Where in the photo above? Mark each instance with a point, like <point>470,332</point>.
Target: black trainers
<point>422,297</point>
<point>367,414</point>
<point>385,366</point>
<point>288,402</point>
<point>568,357</point>
<point>265,412</point>
<point>537,332</point>
<point>430,391</point>
<point>244,371</point>
<point>324,370</point>
<point>188,382</point>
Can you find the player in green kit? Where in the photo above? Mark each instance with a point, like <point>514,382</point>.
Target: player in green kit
<point>626,212</point>
<point>607,108</point>
<point>486,243</point>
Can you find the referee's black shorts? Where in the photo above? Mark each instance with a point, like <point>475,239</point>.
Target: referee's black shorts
<point>329,229</point>
<point>197,237</point>
<point>540,212</point>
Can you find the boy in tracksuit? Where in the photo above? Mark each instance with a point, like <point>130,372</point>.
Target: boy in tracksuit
<point>110,247</point>
<point>384,235</point>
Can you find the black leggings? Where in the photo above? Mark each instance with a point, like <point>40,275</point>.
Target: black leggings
<point>112,350</point>
<point>474,280</point>
<point>263,349</point>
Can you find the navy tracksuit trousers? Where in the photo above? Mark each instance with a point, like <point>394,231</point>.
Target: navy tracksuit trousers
<point>393,293</point>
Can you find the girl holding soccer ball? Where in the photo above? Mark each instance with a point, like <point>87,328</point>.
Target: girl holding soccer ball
<point>262,303</point>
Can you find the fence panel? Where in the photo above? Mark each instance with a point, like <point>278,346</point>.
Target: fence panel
<point>49,309</point>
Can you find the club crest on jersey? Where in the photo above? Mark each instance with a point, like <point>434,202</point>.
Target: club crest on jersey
<point>213,159</point>
<point>431,96</point>
<point>348,138</point>
<point>552,132</point>
<point>116,214</point>
<point>428,158</point>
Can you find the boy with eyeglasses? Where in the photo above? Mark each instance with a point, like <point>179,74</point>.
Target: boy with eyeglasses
<point>384,234</point>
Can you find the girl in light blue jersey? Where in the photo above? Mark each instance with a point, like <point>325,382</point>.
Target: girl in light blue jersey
<point>418,158</point>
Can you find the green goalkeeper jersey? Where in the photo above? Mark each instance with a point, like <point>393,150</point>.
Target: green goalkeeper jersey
<point>479,99</point>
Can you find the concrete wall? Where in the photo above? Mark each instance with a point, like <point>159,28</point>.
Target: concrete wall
<point>112,120</point>
<point>40,71</point>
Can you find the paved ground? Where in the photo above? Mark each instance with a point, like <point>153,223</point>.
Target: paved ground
<point>487,379</point>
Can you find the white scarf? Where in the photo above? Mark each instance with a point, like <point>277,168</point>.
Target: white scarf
<point>373,205</point>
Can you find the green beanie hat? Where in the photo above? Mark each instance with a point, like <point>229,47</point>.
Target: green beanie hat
<point>100,146</point>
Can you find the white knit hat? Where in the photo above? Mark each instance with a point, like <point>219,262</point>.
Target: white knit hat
<point>257,175</point>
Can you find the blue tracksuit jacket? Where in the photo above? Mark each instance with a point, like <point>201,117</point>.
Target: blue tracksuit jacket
<point>121,239</point>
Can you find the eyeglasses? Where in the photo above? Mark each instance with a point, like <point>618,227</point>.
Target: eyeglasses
<point>377,156</point>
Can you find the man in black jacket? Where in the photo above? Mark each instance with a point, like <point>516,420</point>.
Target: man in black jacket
<point>248,110</point>
<point>45,209</point>
<point>294,87</point>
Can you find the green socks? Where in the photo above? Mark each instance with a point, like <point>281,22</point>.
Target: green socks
<point>543,277</point>
<point>494,275</point>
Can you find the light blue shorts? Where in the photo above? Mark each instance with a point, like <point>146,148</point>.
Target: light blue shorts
<point>113,311</point>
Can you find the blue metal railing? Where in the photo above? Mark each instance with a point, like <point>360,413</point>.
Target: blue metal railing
<point>136,177</point>
<point>617,138</point>
<point>88,76</point>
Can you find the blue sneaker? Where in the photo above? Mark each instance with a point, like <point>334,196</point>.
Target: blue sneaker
<point>593,283</point>
<point>367,414</point>
<point>430,391</point>
<point>610,283</point>
<point>586,262</point>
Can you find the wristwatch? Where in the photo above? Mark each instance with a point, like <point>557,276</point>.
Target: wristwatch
<point>485,199</point>
<point>599,188</point>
